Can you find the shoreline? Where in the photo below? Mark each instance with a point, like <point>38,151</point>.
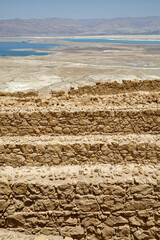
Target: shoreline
<point>111,37</point>
<point>79,64</point>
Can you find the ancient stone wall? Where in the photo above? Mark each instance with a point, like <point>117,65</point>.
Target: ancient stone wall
<point>123,207</point>
<point>83,164</point>
<point>19,94</point>
<point>52,151</point>
<point>101,88</point>
<point>80,122</point>
<point>115,87</point>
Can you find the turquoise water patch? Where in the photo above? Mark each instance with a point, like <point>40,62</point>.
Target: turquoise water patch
<point>123,41</point>
<point>13,48</point>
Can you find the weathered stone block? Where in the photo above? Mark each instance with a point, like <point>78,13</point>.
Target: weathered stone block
<point>15,221</point>
<point>108,233</point>
<point>87,204</point>
<point>3,205</point>
<point>20,188</point>
<point>4,188</point>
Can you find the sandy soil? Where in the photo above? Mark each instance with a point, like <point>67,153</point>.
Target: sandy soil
<point>79,64</point>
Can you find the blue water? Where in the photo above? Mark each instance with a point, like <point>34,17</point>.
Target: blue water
<point>7,48</point>
<point>123,41</point>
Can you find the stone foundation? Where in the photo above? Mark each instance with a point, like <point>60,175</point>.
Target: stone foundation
<point>82,164</point>
<point>80,122</point>
<point>115,87</point>
<point>122,204</point>
<point>79,150</point>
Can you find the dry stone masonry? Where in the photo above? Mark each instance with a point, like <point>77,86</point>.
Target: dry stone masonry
<point>82,164</point>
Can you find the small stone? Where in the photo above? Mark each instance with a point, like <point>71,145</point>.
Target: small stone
<point>107,232</point>
<point>126,170</point>
<point>20,188</point>
<point>58,129</point>
<point>66,131</point>
<point>125,230</point>
<point>135,221</point>
<point>137,180</point>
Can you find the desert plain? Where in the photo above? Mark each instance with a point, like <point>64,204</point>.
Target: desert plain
<point>79,64</point>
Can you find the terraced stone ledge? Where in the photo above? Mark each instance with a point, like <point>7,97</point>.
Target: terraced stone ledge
<point>80,122</point>
<point>132,99</point>
<point>118,173</point>
<point>90,149</point>
<point>104,201</point>
<point>116,87</point>
<point>82,164</point>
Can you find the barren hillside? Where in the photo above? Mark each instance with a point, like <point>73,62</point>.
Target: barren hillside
<point>58,26</point>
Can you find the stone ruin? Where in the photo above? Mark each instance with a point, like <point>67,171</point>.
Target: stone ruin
<point>82,164</point>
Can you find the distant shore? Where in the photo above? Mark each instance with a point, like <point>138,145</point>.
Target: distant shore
<point>55,39</point>
<point>80,64</point>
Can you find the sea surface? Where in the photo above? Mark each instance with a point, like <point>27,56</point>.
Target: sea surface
<point>25,48</point>
<point>102,40</point>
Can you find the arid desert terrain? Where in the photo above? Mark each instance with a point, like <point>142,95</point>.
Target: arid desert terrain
<point>79,63</point>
